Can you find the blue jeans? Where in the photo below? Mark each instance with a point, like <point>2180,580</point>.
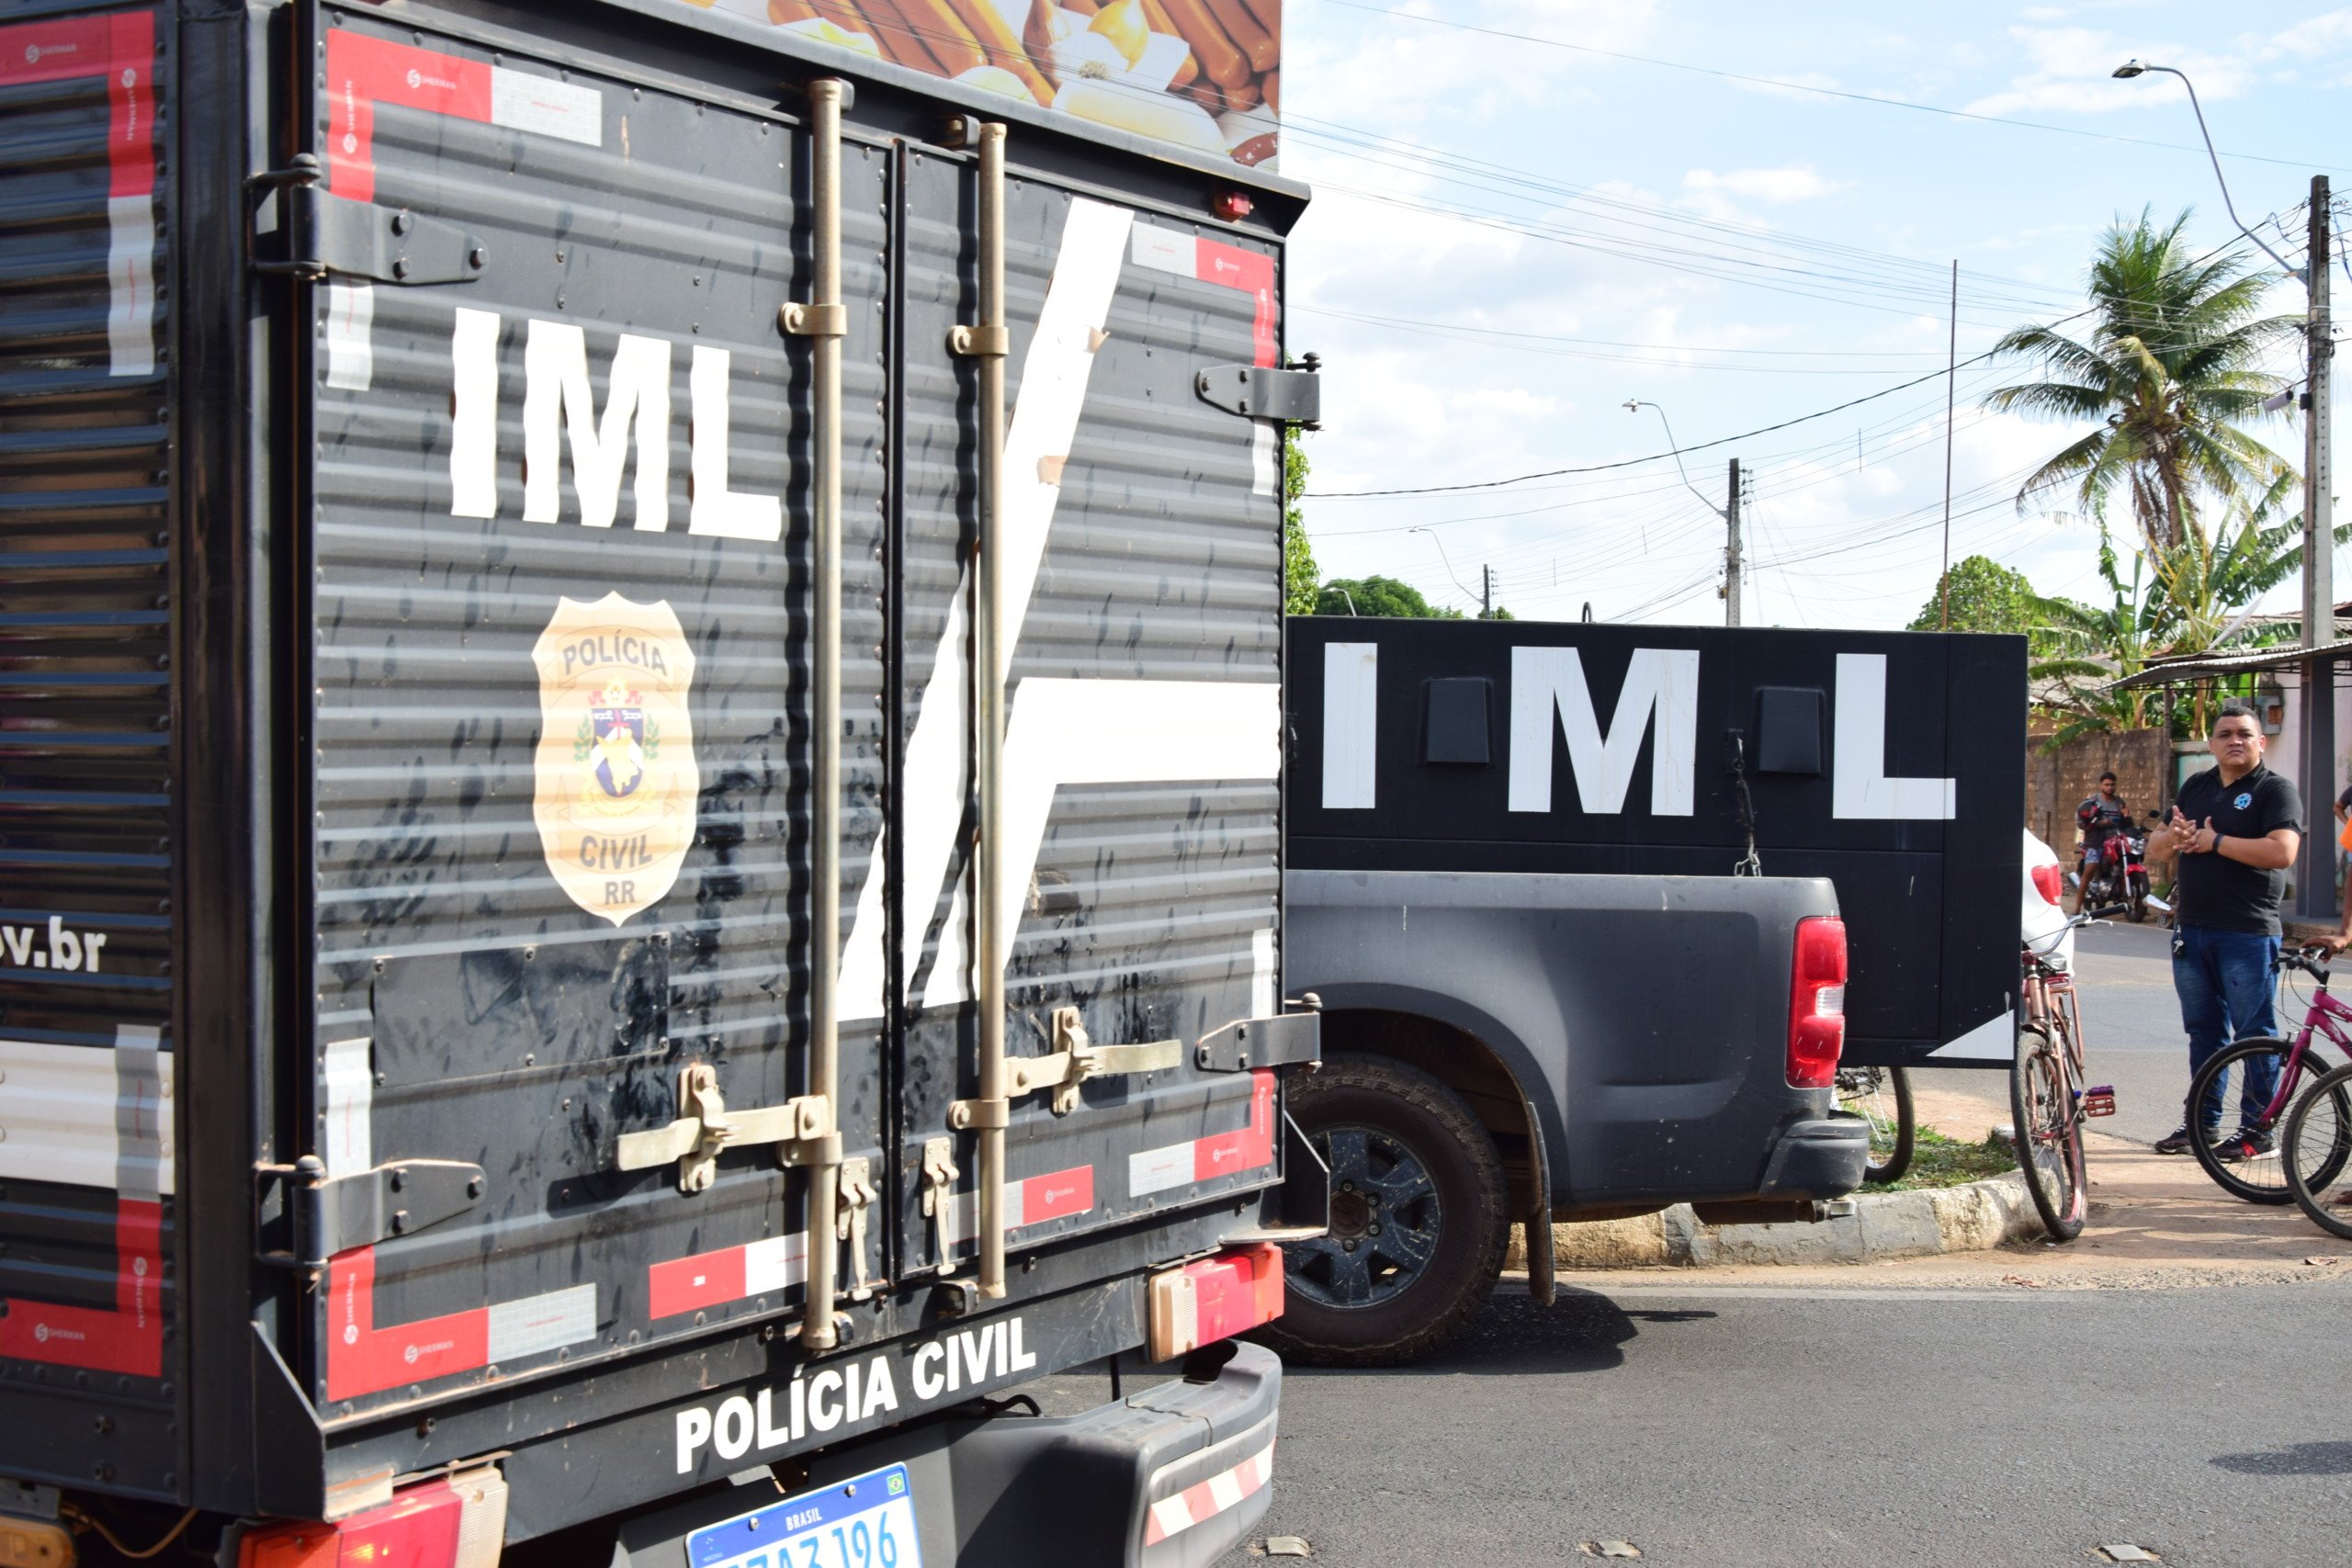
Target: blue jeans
<point>2227,981</point>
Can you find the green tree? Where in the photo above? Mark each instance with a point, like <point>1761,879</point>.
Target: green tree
<point>1988,597</point>
<point>2167,368</point>
<point>1377,596</point>
<point>1300,573</point>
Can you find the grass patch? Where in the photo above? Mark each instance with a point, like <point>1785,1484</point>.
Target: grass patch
<point>1939,1161</point>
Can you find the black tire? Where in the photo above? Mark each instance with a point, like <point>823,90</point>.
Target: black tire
<point>1400,1143</point>
<point>2048,1131</point>
<point>2138,888</point>
<point>2262,1180</point>
<point>2317,1137</point>
<point>1882,1096</point>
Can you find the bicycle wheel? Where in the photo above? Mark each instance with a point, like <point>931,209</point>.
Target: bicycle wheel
<point>2261,1180</point>
<point>2317,1137</point>
<point>2049,1133</point>
<point>1882,1096</point>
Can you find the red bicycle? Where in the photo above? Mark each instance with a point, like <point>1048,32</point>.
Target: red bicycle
<point>2248,1163</point>
<point>2046,1094</point>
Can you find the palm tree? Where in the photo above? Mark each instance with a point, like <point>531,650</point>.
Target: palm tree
<point>2170,362</point>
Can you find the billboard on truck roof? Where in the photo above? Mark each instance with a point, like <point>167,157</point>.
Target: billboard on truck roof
<point>1202,75</point>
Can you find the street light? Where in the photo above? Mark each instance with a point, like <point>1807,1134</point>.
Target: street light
<point>1729,512</point>
<point>1444,557</point>
<point>2132,68</point>
<point>2315,871</point>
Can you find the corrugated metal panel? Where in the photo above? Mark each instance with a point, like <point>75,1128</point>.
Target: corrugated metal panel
<point>553,866</point>
<point>1142,736</point>
<point>85,747</point>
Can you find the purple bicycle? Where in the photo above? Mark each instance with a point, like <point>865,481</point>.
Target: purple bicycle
<point>2248,1163</point>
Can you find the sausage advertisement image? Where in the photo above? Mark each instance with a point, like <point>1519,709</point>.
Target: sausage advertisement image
<point>1203,75</point>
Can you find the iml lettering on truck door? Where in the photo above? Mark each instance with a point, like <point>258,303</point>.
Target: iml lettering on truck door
<point>1660,698</point>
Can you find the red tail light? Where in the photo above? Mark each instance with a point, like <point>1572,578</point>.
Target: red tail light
<point>456,1523</point>
<point>2046,881</point>
<point>1215,1299</point>
<point>1817,1002</point>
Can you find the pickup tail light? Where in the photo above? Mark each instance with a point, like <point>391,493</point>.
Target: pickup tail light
<point>1817,1002</point>
<point>2046,882</point>
<point>1215,1299</point>
<point>459,1522</point>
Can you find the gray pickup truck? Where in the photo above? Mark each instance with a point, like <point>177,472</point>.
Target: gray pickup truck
<point>1546,995</point>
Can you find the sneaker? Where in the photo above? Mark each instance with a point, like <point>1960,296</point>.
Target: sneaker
<point>2244,1146</point>
<point>2177,1141</point>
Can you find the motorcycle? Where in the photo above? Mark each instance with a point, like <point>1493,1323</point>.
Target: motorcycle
<point>2116,873</point>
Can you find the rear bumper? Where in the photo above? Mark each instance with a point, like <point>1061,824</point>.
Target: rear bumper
<point>1173,1477</point>
<point>1818,1157</point>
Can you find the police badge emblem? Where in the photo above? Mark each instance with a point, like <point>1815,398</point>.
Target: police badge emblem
<point>615,783</point>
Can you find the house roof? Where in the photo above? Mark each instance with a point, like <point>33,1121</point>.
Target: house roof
<point>2205,666</point>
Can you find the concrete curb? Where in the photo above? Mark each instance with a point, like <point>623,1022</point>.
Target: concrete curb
<point>1975,1217</point>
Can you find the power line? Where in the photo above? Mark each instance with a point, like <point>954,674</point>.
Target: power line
<point>1818,91</point>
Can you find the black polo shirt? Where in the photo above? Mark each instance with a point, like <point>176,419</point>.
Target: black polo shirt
<point>2228,894</point>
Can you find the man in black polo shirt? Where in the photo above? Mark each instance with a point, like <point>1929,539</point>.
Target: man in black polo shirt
<point>2236,826</point>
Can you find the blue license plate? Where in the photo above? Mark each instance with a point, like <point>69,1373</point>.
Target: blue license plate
<point>868,1522</point>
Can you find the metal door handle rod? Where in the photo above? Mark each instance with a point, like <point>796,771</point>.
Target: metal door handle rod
<point>992,942</point>
<point>825,99</point>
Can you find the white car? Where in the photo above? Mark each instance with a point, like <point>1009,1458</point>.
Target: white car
<point>2042,923</point>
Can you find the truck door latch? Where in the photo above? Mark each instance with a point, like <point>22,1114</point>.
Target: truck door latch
<point>939,1174</point>
<point>856,1196</point>
<point>320,235</point>
<point>332,1214</point>
<point>705,1126</point>
<point>1077,1060</point>
<point>1260,392</point>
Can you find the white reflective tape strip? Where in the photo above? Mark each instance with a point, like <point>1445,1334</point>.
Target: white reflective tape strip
<point>348,1080</point>
<point>1053,375</point>
<point>1351,724</point>
<point>1170,1515</point>
<point>775,1264</point>
<point>1261,972</point>
<point>1224,1490</point>
<point>351,336</point>
<point>142,1088</point>
<point>1165,250</point>
<point>546,106</point>
<point>130,284</point>
<point>1265,457</point>
<point>536,1323</point>
<point>64,1117</point>
<point>1156,1170</point>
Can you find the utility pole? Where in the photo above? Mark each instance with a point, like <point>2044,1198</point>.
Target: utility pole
<point>2316,876</point>
<point>1731,549</point>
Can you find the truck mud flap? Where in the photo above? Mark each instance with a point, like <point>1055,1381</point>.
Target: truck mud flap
<point>1172,1477</point>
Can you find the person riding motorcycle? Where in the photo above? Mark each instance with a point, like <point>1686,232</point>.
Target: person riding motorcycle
<point>2100,817</point>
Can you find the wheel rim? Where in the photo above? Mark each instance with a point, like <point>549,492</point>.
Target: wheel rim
<point>1869,1094</point>
<point>1386,1219</point>
<point>2049,1133</point>
<point>2322,1142</point>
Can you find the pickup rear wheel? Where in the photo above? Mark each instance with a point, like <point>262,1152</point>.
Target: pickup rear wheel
<point>1418,1217</point>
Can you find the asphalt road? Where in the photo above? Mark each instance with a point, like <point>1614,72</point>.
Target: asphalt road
<point>2131,1029</point>
<point>1755,1425</point>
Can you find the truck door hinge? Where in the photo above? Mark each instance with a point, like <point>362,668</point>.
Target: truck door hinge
<point>939,1174</point>
<point>332,1214</point>
<point>804,1127</point>
<point>319,234</point>
<point>1261,391</point>
<point>1077,1060</point>
<point>856,1194</point>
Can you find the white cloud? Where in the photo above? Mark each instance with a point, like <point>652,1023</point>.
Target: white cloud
<point>1774,185</point>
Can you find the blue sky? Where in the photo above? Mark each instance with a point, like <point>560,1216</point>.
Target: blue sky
<point>1510,238</point>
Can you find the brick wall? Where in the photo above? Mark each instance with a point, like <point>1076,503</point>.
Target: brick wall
<point>2057,781</point>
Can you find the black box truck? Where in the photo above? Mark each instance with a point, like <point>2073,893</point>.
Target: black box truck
<point>639,784</point>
